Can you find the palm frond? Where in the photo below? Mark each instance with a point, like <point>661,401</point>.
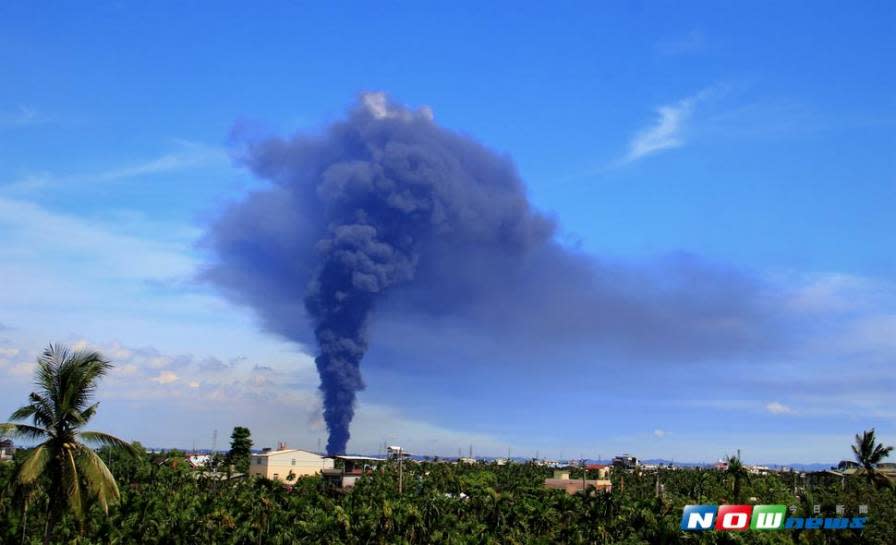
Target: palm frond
<point>98,477</point>
<point>22,430</point>
<point>23,412</point>
<point>100,438</point>
<point>77,377</point>
<point>72,481</point>
<point>45,414</point>
<point>85,415</point>
<point>33,466</point>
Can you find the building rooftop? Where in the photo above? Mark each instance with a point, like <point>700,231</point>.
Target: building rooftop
<point>284,451</point>
<point>357,458</point>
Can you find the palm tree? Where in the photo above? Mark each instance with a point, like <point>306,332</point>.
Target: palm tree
<point>869,453</point>
<point>71,471</point>
<point>737,470</point>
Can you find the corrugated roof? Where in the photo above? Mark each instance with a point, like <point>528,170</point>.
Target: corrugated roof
<point>358,458</point>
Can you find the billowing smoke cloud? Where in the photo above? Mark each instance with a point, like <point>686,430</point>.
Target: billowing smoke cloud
<point>385,213</point>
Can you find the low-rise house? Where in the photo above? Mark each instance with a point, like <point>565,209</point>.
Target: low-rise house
<point>7,450</point>
<point>561,481</point>
<point>353,468</point>
<point>288,464</point>
<point>603,470</point>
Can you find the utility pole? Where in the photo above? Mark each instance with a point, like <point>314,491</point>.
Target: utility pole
<point>214,441</point>
<point>584,474</point>
<point>399,471</point>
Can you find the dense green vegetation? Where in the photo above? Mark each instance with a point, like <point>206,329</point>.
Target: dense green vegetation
<point>502,504</point>
<point>61,491</point>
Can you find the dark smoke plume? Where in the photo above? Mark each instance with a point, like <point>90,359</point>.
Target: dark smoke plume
<point>386,212</point>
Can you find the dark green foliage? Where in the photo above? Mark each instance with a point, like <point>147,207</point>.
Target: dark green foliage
<point>240,448</point>
<point>442,504</point>
<point>869,453</point>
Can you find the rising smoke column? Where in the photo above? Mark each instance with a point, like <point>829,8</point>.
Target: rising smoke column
<point>386,212</point>
<point>355,210</point>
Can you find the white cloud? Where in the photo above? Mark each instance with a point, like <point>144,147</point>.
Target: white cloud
<point>667,131</point>
<point>778,408</point>
<point>377,104</point>
<point>165,377</point>
<point>659,433</point>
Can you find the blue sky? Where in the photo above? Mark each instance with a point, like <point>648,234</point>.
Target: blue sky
<point>758,137</point>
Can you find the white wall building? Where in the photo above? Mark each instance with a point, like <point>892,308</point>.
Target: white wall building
<point>279,464</point>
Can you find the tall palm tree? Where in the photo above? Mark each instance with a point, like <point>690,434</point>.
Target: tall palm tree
<point>737,470</point>
<point>70,471</point>
<point>869,453</point>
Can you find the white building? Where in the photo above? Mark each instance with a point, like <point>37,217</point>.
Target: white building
<point>281,465</point>
<point>7,450</point>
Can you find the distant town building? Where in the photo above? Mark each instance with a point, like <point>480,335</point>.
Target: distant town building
<point>285,465</point>
<point>199,460</point>
<point>395,452</point>
<point>561,481</point>
<point>626,461</point>
<point>603,470</point>
<point>7,449</point>
<point>888,469</point>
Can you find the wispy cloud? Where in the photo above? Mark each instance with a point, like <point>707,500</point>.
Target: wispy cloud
<point>776,407</point>
<point>22,116</point>
<point>188,155</point>
<point>192,155</point>
<point>667,130</point>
